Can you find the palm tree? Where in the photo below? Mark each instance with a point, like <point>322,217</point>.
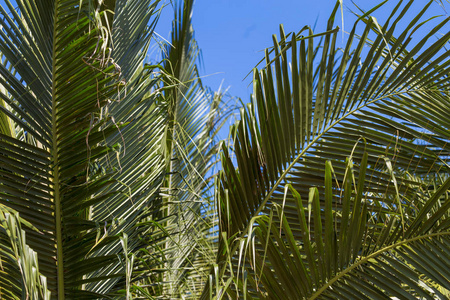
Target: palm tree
<point>106,175</point>
<point>342,184</point>
<point>104,160</point>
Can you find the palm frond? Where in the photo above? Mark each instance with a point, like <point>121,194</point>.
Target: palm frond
<point>341,254</point>
<point>310,106</point>
<point>180,248</point>
<point>78,111</point>
<point>17,258</point>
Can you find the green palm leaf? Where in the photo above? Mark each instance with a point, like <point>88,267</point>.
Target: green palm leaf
<point>21,261</point>
<point>79,166</point>
<point>311,105</point>
<point>180,248</point>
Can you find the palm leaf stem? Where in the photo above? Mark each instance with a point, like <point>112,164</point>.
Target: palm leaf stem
<point>55,167</point>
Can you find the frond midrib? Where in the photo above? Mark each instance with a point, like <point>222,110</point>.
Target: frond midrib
<point>56,177</point>
<point>371,256</point>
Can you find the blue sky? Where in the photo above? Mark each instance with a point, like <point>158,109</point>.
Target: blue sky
<point>232,33</point>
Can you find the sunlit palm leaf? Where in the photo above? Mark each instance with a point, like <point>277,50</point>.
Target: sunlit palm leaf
<point>180,249</point>
<point>311,105</point>
<point>68,173</point>
<point>19,259</point>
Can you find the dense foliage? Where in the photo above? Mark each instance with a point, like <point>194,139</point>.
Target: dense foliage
<point>113,183</point>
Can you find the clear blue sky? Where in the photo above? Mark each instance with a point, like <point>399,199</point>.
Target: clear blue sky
<point>232,33</point>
